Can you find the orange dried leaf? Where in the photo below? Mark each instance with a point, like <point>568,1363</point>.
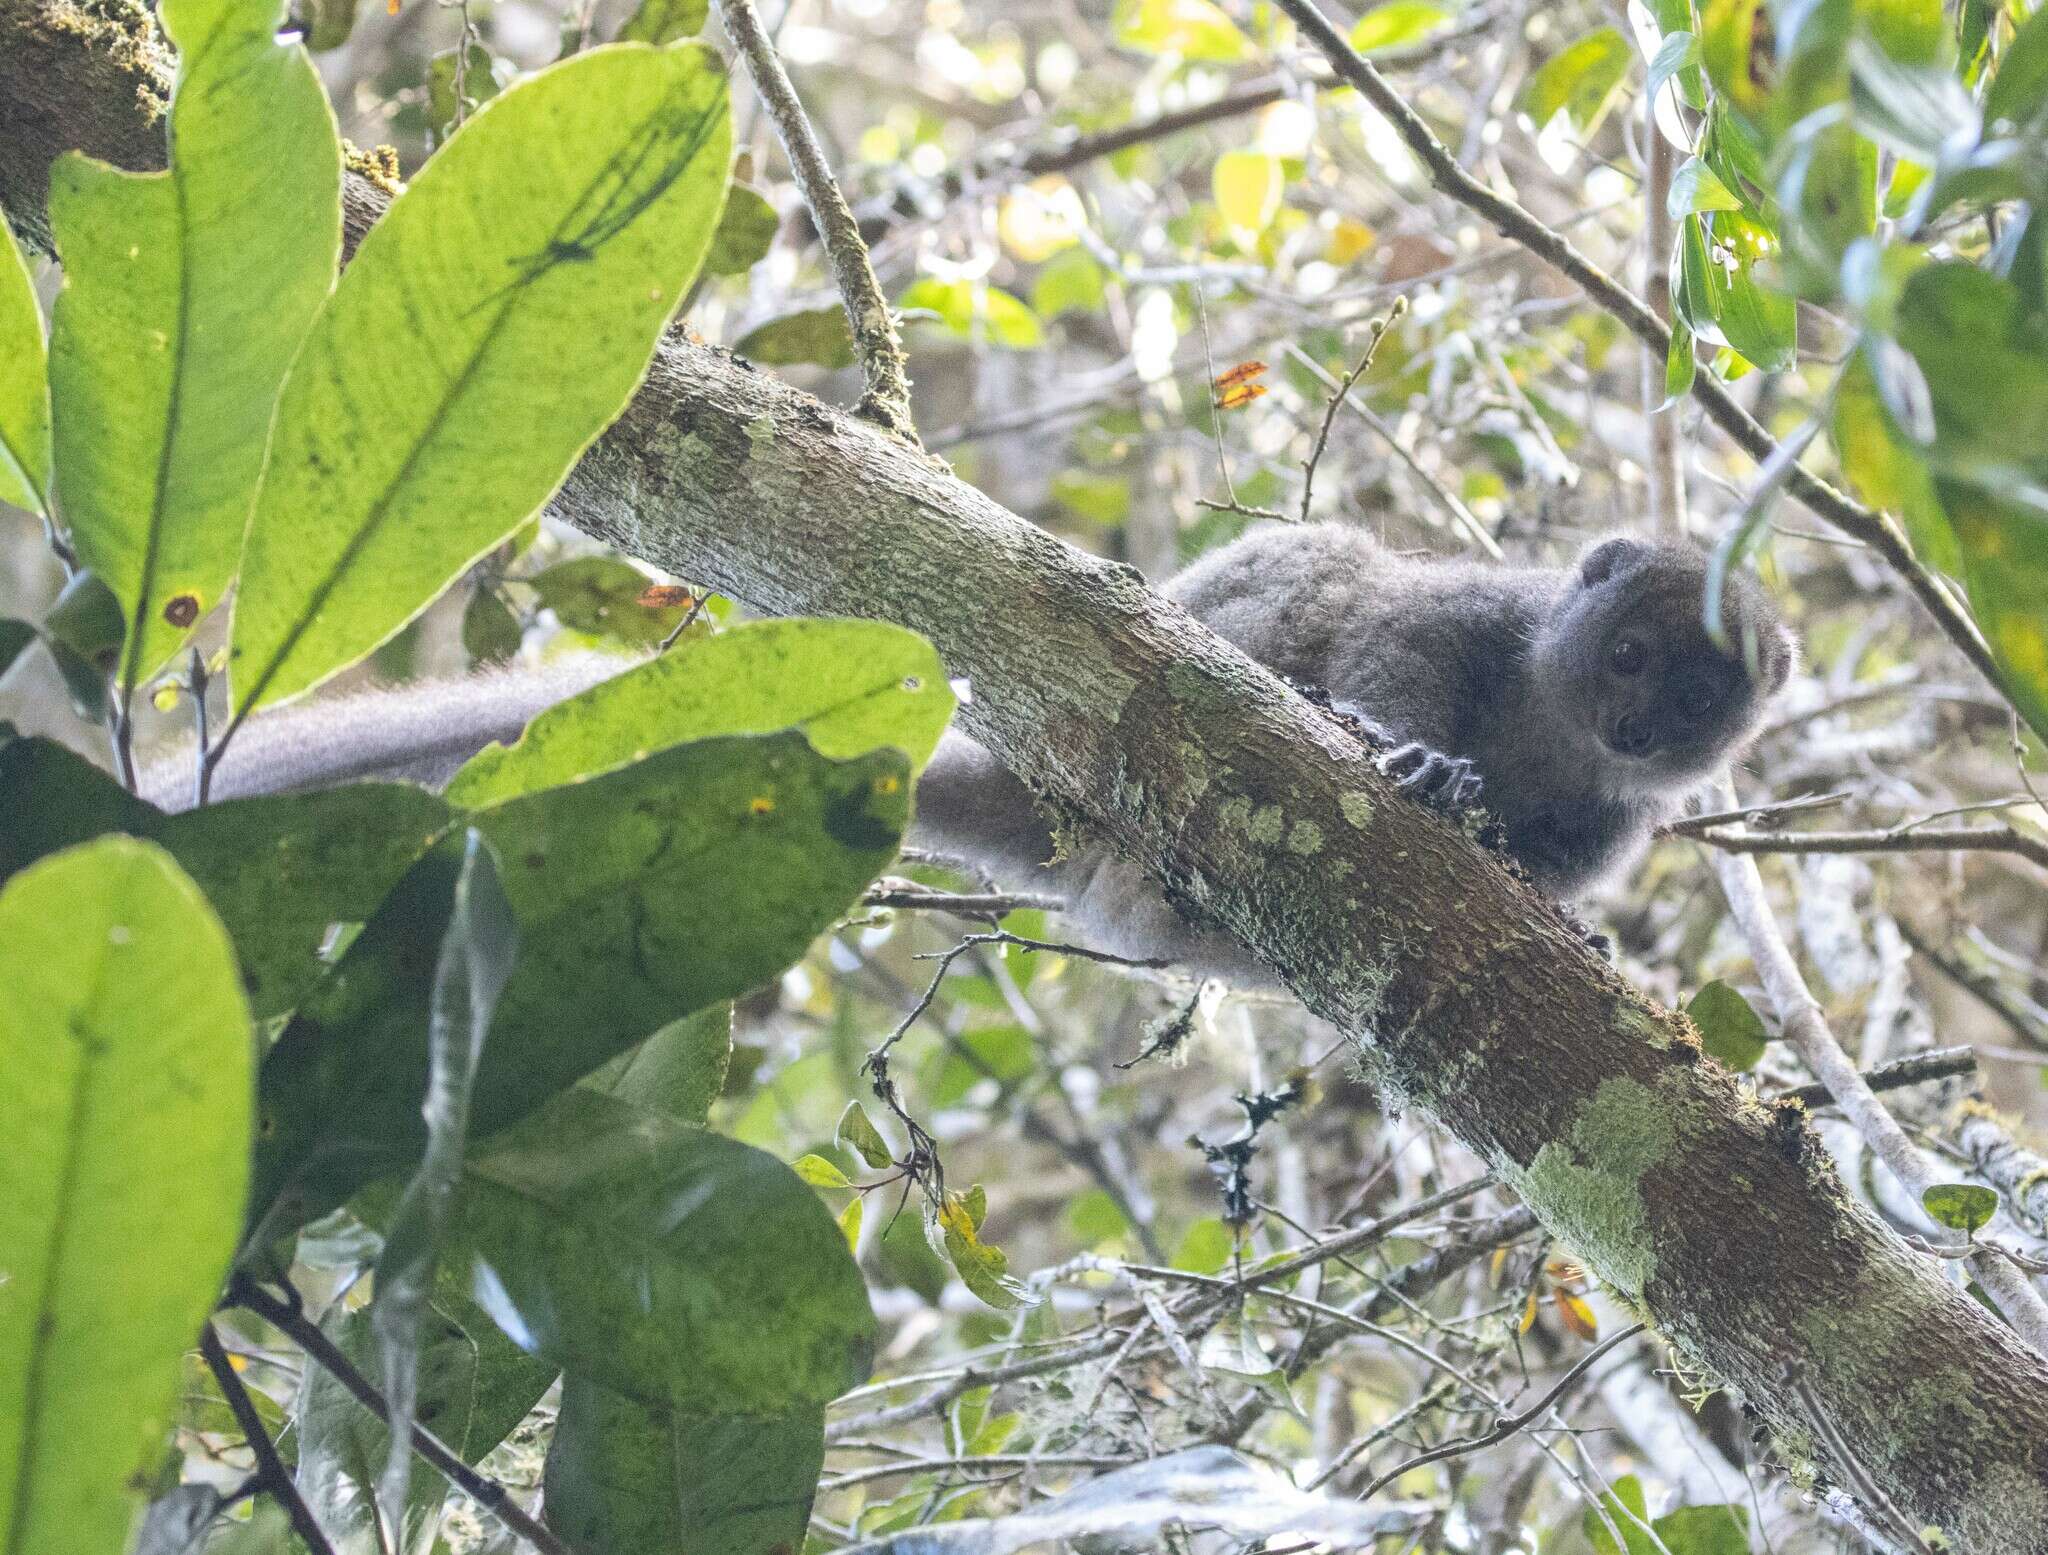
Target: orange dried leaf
<point>1239,395</point>
<point>1573,1312</point>
<point>1243,372</point>
<point>666,596</point>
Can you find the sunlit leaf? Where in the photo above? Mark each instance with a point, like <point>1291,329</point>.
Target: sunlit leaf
<point>561,225</point>
<point>1069,282</point>
<point>1188,29</point>
<point>973,310</point>
<point>746,231</point>
<point>185,295</point>
<point>1396,24</point>
<point>1887,472</point>
<point>856,1129</point>
<point>665,21</point>
<point>1579,81</point>
<point>2005,562</point>
<point>128,1050</point>
<point>820,337</point>
<point>604,596</point>
<point>850,686</point>
<point>982,1267</point>
<point>24,384</point>
<point>1247,186</point>
<point>1695,188</point>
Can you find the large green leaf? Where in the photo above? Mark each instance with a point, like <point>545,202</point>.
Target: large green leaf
<point>642,895</point>
<point>24,384</point>
<point>1579,81</point>
<point>2005,562</point>
<point>185,294</point>
<point>1985,359</point>
<point>280,870</point>
<point>851,686</point>
<point>492,324</point>
<point>678,1071</point>
<point>127,1049</point>
<point>647,1258</point>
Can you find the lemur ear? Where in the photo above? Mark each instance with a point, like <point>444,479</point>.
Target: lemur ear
<point>1608,558</point>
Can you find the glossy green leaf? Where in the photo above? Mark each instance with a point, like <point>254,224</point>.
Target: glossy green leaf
<point>1580,81</point>
<point>1681,363</point>
<point>1960,1206</point>
<point>819,1172</point>
<point>1829,189</point>
<point>601,595</point>
<point>1729,1029</point>
<point>1686,1530</point>
<point>665,21</point>
<point>608,881</point>
<point>563,225</point>
<point>127,1046</point>
<point>1397,24</point>
<point>816,337</point>
<point>477,952</point>
<point>1759,321</point>
<point>185,295</point>
<point>679,1071</point>
<point>955,1228</point>
<point>2018,94</point>
<point>1695,188</point>
<point>973,310</point>
<point>858,1130</point>
<point>746,231</point>
<point>647,1258</point>
<point>24,384</point>
<point>1186,29</point>
<point>850,686</point>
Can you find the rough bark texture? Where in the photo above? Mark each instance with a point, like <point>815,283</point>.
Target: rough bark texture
<point>1470,995</point>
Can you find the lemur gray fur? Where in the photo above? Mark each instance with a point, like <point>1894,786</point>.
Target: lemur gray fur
<point>1580,705</point>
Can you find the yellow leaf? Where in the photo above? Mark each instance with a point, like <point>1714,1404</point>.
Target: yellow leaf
<point>849,1224</point>
<point>1247,186</point>
<point>1348,239</point>
<point>1573,1312</point>
<point>1529,1311</point>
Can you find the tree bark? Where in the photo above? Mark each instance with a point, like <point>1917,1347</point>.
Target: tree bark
<point>1469,995</point>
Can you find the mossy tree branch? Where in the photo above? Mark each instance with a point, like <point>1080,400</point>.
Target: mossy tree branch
<point>1470,996</point>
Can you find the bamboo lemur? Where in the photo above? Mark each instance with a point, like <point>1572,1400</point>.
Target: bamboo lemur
<point>1580,705</point>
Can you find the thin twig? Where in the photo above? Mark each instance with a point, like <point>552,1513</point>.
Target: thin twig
<point>306,1334</point>
<point>1979,839</point>
<point>271,1473</point>
<point>903,896</point>
<point>1876,529</point>
<point>1945,1063</point>
<point>1504,1428</point>
<point>884,366</point>
<point>1755,815</point>
<point>1339,394</point>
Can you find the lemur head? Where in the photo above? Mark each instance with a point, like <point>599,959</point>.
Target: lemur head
<point>1627,649</point>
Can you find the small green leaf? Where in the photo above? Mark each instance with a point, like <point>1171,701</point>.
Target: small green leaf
<point>491,633</point>
<point>974,310</point>
<point>850,686</point>
<point>1705,1530</point>
<point>1205,1248</point>
<point>1679,51</point>
<point>328,22</point>
<point>128,1050</point>
<point>459,81</point>
<point>665,21</point>
<point>562,224</point>
<point>849,1223</point>
<point>1186,29</point>
<point>185,295</point>
<point>1961,1206</point>
<point>982,1266</point>
<point>1729,1029</point>
<point>855,1130</point>
<point>1580,81</point>
<point>1681,363</point>
<point>601,595</point>
<point>746,231</point>
<point>1885,471</point>
<point>1396,24</point>
<point>817,337</point>
<point>1695,188</point>
<point>1069,282</point>
<point>24,384</point>
<point>819,1172</point>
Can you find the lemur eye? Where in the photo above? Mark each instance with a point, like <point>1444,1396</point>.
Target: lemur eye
<point>1627,656</point>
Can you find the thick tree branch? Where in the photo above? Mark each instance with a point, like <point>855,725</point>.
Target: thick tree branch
<point>1876,529</point>
<point>1469,995</point>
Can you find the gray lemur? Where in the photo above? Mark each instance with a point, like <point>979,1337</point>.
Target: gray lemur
<point>1581,706</point>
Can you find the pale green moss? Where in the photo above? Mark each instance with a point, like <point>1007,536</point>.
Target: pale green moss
<point>1305,837</point>
<point>1235,813</point>
<point>760,434</point>
<point>1356,806</point>
<point>1268,826</point>
<point>1590,1191</point>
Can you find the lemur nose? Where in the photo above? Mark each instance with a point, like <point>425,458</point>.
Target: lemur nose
<point>1632,735</point>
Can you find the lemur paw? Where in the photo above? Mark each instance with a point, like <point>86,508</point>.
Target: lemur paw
<point>1448,782</point>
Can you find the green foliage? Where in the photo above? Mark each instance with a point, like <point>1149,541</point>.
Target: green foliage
<point>1580,81</point>
<point>971,310</point>
<point>1960,1206</point>
<point>185,295</point>
<point>851,686</point>
<point>1730,1029</point>
<point>601,595</point>
<point>665,21</point>
<point>127,1045</point>
<point>1687,1530</point>
<point>563,223</point>
<point>24,385</point>
<point>1397,24</point>
<point>746,231</point>
<point>820,337</point>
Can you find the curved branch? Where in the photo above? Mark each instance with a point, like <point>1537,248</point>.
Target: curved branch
<point>1468,995</point>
